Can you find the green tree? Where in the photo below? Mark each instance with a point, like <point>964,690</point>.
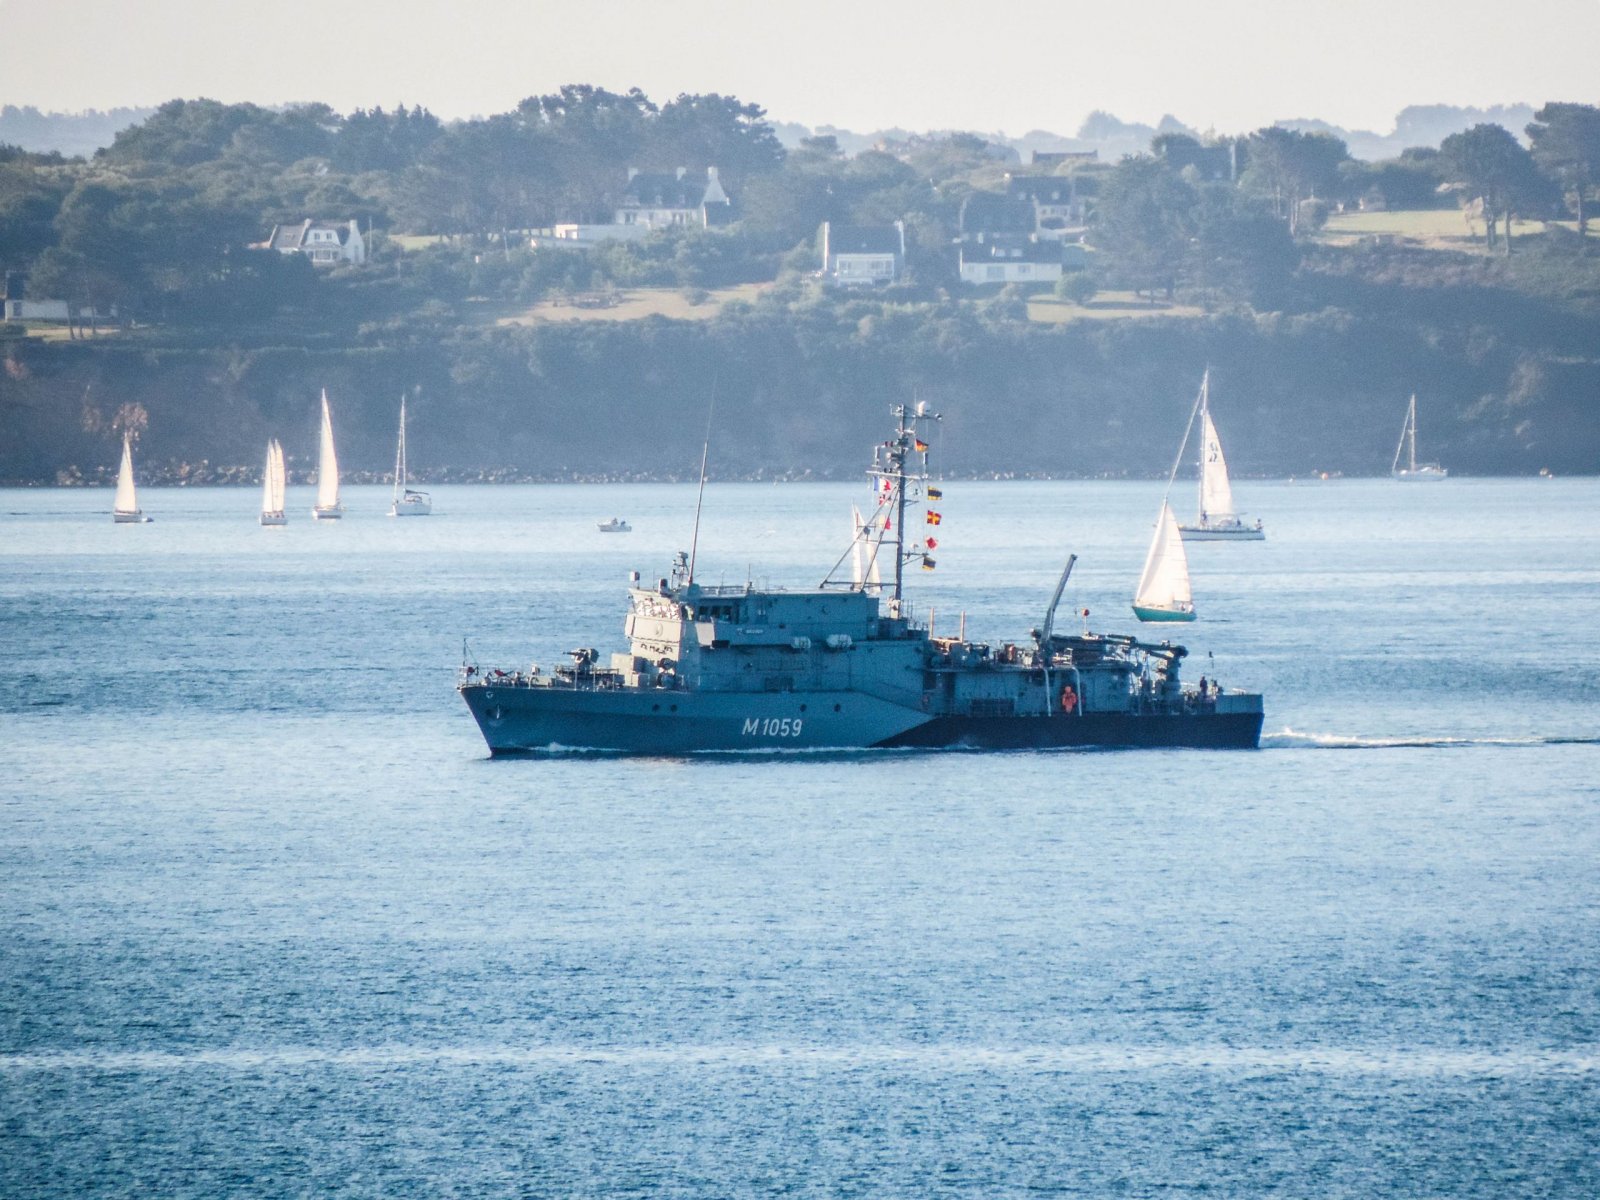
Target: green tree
<point>1145,221</point>
<point>1288,166</point>
<point>1566,144</point>
<point>1487,166</point>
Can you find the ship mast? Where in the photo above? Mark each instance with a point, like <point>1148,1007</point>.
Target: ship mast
<point>896,453</point>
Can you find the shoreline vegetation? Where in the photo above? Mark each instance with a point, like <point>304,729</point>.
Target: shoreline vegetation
<point>1320,291</point>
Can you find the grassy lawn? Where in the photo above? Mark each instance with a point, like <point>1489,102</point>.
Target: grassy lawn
<point>413,241</point>
<point>1441,228</point>
<point>632,304</point>
<point>1104,307</point>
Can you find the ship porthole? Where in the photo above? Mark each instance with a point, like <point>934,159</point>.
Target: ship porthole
<point>674,708</point>
<point>655,708</point>
<point>835,708</point>
<point>802,708</point>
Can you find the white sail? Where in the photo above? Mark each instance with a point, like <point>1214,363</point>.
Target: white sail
<point>1216,495</point>
<point>327,464</point>
<point>400,456</point>
<point>1164,584</point>
<point>273,479</point>
<point>127,501</point>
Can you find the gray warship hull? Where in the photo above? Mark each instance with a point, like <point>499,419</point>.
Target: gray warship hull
<point>516,719</point>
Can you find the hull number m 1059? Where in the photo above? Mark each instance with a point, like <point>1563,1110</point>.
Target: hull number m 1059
<point>771,727</point>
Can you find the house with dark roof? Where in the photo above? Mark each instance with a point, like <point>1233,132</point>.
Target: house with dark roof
<point>325,243</point>
<point>862,255</point>
<point>1009,258</point>
<point>674,201</point>
<point>1057,211</point>
<point>992,213</point>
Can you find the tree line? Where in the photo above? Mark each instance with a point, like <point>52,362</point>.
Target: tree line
<point>157,223</point>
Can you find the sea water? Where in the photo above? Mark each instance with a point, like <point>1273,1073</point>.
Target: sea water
<point>273,923</point>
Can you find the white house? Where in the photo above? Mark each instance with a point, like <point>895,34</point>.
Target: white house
<point>323,242</point>
<point>863,255</point>
<point>1010,259</point>
<point>676,201</point>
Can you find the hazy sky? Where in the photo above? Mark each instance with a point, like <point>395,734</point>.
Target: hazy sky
<point>1009,66</point>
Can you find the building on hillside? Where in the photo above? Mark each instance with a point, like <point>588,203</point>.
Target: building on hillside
<point>1009,258</point>
<point>325,243</point>
<point>988,214</point>
<point>862,255</point>
<point>675,201</point>
<point>1057,211</point>
<point>15,306</point>
<point>574,236</point>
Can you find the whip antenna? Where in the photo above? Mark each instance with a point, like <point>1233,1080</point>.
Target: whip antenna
<point>705,450</point>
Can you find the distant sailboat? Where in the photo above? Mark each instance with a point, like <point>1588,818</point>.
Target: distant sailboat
<point>1412,471</point>
<point>273,480</point>
<point>327,507</point>
<point>407,503</point>
<point>125,509</point>
<point>866,537</point>
<point>1163,593</point>
<point>1216,520</point>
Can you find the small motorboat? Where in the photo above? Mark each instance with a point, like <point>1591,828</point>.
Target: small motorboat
<point>615,525</point>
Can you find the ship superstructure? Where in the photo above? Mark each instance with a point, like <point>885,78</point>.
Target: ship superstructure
<point>846,666</point>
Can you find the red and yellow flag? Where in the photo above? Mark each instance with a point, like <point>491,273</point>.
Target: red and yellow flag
<point>933,517</point>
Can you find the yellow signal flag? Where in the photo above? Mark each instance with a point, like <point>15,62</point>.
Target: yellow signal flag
<point>935,494</point>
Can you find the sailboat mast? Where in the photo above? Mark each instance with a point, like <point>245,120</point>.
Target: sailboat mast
<point>400,454</point>
<point>1205,416</point>
<point>1411,420</point>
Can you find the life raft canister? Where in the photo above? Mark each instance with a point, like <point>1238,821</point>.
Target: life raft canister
<point>1069,699</point>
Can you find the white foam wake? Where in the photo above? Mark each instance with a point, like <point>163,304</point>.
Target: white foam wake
<point>1287,738</point>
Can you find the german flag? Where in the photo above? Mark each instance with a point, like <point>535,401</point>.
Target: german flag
<point>935,494</point>
<point>933,517</point>
<point>922,446</point>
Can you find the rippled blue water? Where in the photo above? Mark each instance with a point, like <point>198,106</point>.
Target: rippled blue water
<point>272,923</point>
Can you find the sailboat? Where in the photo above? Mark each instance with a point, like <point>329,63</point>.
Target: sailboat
<point>1163,593</point>
<point>1413,471</point>
<point>866,537</point>
<point>273,480</point>
<point>125,509</point>
<point>327,507</point>
<point>1216,520</point>
<point>407,503</point>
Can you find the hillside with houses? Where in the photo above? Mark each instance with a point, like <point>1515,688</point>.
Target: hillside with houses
<point>593,254</point>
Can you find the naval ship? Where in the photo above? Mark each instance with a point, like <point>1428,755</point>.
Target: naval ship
<point>847,666</point>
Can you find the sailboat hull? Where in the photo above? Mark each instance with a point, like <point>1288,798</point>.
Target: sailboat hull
<point>274,518</point>
<point>1222,533</point>
<point>327,514</point>
<point>412,504</point>
<point>1145,613</point>
<point>131,518</point>
<point>1421,475</point>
